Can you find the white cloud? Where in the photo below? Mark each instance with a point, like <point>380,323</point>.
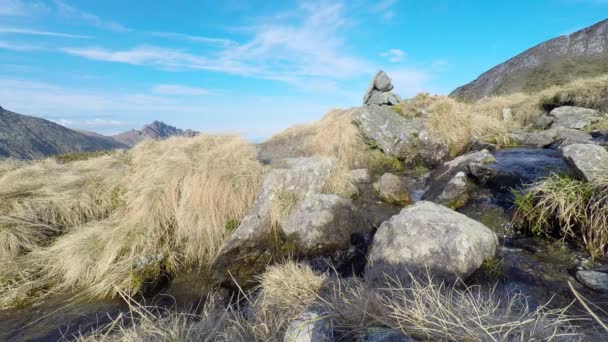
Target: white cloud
<point>385,7</point>
<point>394,55</point>
<point>98,123</point>
<point>20,31</point>
<point>180,90</point>
<point>20,7</point>
<point>196,39</point>
<point>74,13</point>
<point>18,47</point>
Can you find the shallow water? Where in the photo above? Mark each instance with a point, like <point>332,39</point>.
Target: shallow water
<point>529,164</point>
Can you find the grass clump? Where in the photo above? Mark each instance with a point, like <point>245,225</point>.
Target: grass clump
<point>568,207</point>
<point>334,135</point>
<point>79,156</point>
<point>380,163</point>
<point>170,214</point>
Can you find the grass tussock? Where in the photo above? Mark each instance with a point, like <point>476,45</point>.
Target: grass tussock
<point>567,207</point>
<point>334,135</point>
<point>176,198</point>
<point>422,309</point>
<point>42,199</point>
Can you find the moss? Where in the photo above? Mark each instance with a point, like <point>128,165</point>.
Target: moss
<point>380,163</point>
<point>231,225</point>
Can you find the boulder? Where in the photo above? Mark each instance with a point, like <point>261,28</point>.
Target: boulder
<point>594,280</point>
<point>589,161</point>
<point>320,224</point>
<point>575,117</point>
<point>250,247</point>
<point>310,327</point>
<point>392,189</point>
<point>455,194</point>
<point>379,91</point>
<point>569,136</point>
<point>404,138</point>
<point>429,236</point>
<point>553,137</point>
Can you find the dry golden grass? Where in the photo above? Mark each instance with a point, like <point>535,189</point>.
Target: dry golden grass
<point>334,135</point>
<point>178,195</point>
<point>42,199</point>
<point>422,309</point>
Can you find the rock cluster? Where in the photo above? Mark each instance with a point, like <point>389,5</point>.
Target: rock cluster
<point>379,91</point>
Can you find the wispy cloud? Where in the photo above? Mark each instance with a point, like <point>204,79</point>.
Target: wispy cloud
<point>180,90</point>
<point>18,47</point>
<point>74,13</point>
<point>21,31</point>
<point>20,7</point>
<point>394,55</point>
<point>385,8</point>
<point>195,39</point>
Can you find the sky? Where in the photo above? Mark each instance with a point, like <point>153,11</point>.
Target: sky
<point>252,67</point>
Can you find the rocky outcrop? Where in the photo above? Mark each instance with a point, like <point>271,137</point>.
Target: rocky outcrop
<point>289,215</point>
<point>575,117</point>
<point>392,189</point>
<point>554,137</point>
<point>320,223</point>
<point>379,91</point>
<point>156,130</point>
<point>407,139</point>
<point>589,161</point>
<point>430,236</point>
<point>579,54</point>
<point>311,326</point>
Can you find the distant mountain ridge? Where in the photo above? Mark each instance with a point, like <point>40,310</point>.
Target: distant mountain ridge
<point>28,137</point>
<point>156,130</point>
<point>557,61</point>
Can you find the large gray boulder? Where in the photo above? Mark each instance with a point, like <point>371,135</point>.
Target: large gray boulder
<point>311,326</point>
<point>575,117</point>
<point>252,245</point>
<point>392,189</point>
<point>429,236</point>
<point>407,139</point>
<point>589,161</point>
<point>321,224</point>
<point>379,91</point>
<point>594,280</point>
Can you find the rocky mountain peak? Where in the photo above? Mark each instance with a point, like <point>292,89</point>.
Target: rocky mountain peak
<point>155,130</point>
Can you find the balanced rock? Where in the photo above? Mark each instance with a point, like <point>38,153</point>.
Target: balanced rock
<point>575,117</point>
<point>430,237</point>
<point>589,161</point>
<point>379,91</point>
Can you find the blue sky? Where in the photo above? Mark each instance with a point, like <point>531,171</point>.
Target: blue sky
<point>252,67</point>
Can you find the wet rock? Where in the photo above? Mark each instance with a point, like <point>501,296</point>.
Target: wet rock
<point>392,189</point>
<point>321,224</point>
<point>404,138</point>
<point>250,247</point>
<point>456,192</point>
<point>568,136</point>
<point>379,91</point>
<point>310,327</point>
<point>383,335</point>
<point>553,137</point>
<point>594,280</point>
<point>575,117</point>
<point>360,176</point>
<point>589,161</point>
<point>600,137</point>
<point>430,236</point>
<point>439,178</point>
<point>543,122</point>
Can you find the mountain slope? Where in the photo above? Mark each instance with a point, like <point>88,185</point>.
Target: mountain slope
<point>155,130</point>
<point>27,137</point>
<point>554,62</point>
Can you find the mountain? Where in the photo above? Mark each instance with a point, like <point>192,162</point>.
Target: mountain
<point>28,137</point>
<point>155,130</point>
<point>554,62</point>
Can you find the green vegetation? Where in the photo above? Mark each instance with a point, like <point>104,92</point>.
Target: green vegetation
<point>567,207</point>
<point>380,163</point>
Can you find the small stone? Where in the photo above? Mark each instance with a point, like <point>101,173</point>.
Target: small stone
<point>594,280</point>
<point>310,327</point>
